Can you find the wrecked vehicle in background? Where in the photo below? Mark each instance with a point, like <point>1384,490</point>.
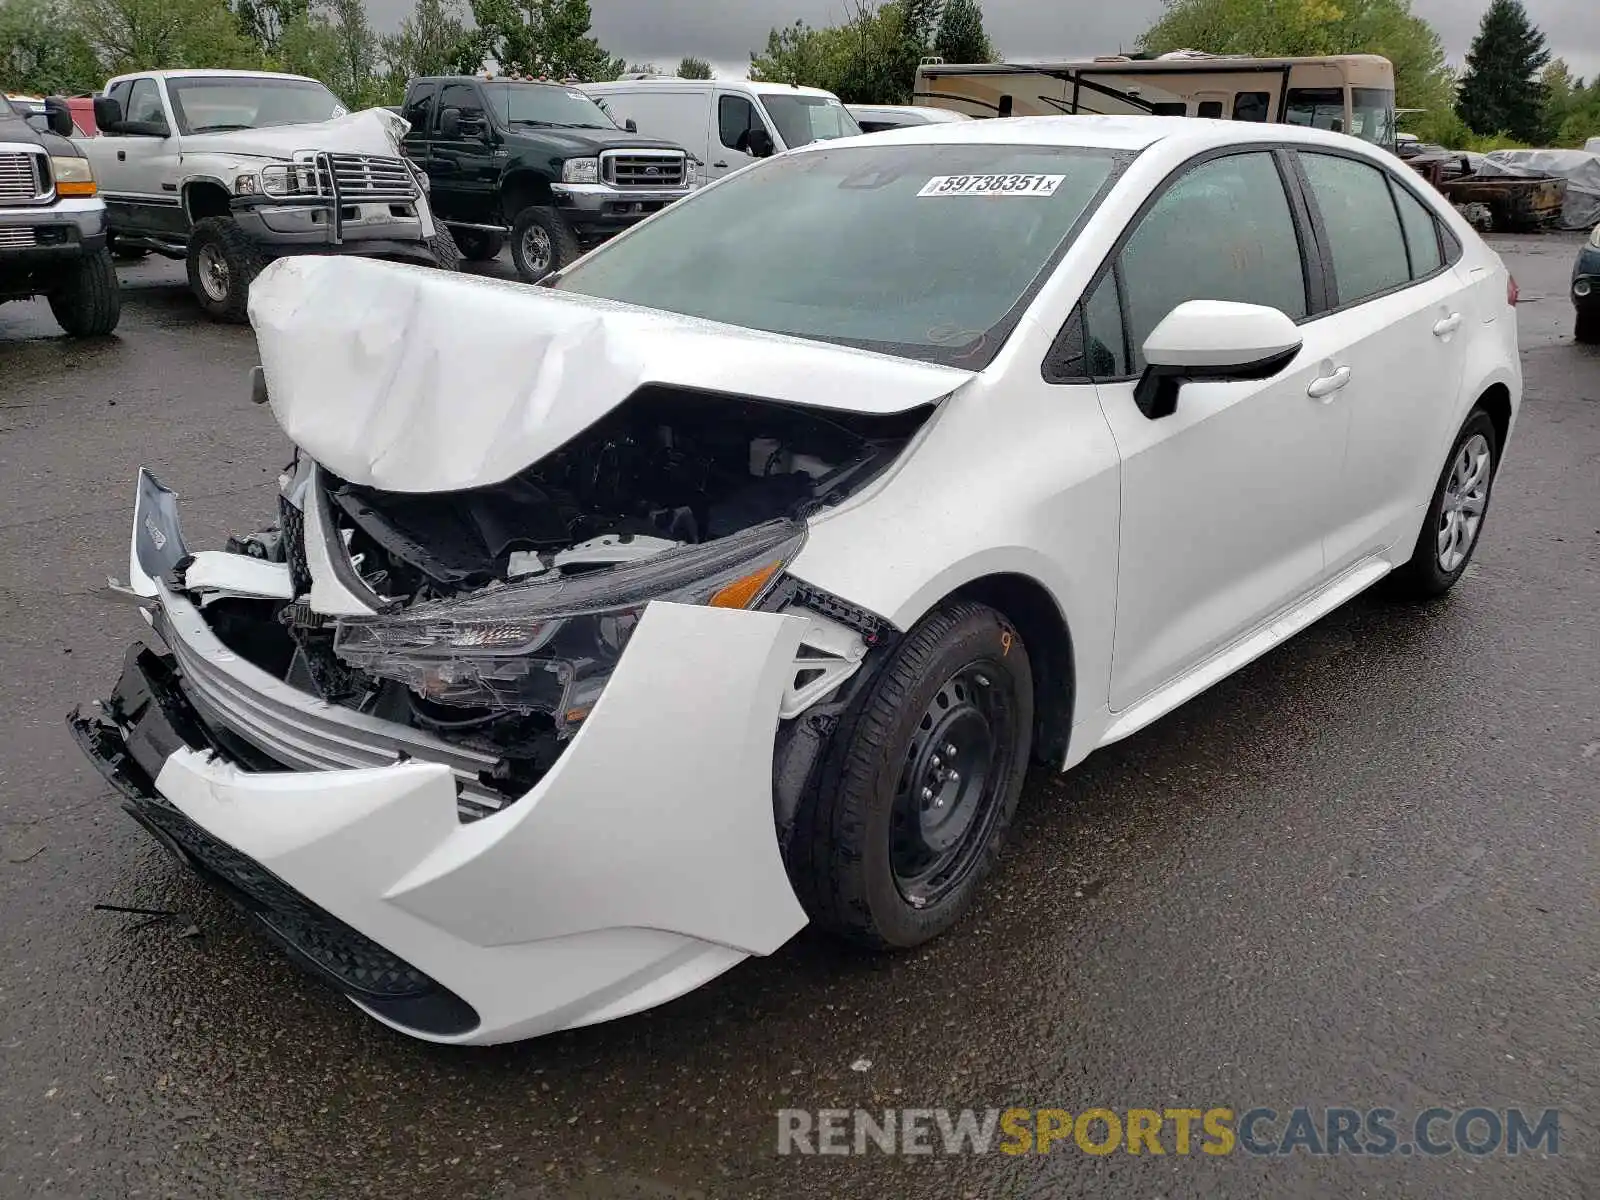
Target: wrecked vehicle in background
<point>612,630</point>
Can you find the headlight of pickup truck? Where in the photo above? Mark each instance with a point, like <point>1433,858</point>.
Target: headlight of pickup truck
<point>289,179</point>
<point>74,176</point>
<point>691,172</point>
<point>550,644</point>
<point>580,170</point>
<point>248,184</point>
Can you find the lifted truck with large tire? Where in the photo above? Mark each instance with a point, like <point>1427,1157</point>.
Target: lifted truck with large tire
<point>231,169</point>
<point>539,163</point>
<point>52,224</point>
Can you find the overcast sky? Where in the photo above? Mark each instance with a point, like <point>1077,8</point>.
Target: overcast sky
<point>725,31</point>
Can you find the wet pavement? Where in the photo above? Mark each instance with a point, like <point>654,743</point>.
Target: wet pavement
<point>1361,873</point>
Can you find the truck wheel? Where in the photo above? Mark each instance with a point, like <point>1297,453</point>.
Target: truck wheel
<point>479,245</point>
<point>1587,329</point>
<point>87,302</point>
<point>223,261</point>
<point>890,851</point>
<point>542,242</point>
<point>446,254</point>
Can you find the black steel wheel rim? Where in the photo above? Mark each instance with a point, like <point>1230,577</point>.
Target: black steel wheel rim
<point>951,784</point>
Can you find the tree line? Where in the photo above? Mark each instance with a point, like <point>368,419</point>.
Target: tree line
<point>70,46</point>
<point>1509,91</point>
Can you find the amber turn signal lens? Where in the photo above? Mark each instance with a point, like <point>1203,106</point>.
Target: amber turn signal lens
<point>741,592</point>
<point>64,188</point>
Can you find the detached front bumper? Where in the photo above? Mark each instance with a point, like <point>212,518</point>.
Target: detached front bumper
<point>642,865</point>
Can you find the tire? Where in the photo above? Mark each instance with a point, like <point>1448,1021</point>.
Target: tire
<point>1587,327</point>
<point>863,838</point>
<point>223,261</point>
<point>1431,572</point>
<point>446,254</point>
<point>480,245</point>
<point>87,302</point>
<point>541,243</point>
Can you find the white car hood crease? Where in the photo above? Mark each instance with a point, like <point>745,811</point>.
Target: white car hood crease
<point>415,380</point>
<point>370,131</point>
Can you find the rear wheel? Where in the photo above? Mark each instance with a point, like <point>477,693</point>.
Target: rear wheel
<point>479,245</point>
<point>1456,515</point>
<point>87,303</point>
<point>892,849</point>
<point>223,261</point>
<point>542,243</point>
<point>1587,329</point>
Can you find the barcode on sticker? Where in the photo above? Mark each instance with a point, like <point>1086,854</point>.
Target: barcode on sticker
<point>992,185</point>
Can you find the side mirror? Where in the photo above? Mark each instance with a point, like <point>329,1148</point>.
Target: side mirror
<point>760,144</point>
<point>450,123</point>
<point>107,114</point>
<point>1213,341</point>
<point>630,125</point>
<point>58,116</point>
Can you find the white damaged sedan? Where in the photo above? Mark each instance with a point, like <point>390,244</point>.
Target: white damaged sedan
<point>611,631</point>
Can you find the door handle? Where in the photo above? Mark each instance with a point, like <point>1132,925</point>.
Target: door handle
<point>1447,326</point>
<point>1324,386</point>
<point>122,156</point>
<point>719,165</point>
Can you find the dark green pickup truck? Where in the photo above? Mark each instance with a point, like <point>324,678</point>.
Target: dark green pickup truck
<point>538,163</point>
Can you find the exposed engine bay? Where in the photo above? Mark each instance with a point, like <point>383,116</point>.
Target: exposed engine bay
<point>492,617</point>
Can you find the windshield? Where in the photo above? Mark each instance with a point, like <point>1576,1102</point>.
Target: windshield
<point>803,119</point>
<point>927,252</point>
<point>218,103</point>
<point>545,104</point>
<point>1371,116</point>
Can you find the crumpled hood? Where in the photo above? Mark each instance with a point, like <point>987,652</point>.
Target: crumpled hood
<point>371,131</point>
<point>415,380</point>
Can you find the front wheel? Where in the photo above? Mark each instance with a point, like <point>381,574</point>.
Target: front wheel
<point>892,849</point>
<point>446,253</point>
<point>1455,516</point>
<point>223,261</point>
<point>542,243</point>
<point>87,302</point>
<point>1587,329</point>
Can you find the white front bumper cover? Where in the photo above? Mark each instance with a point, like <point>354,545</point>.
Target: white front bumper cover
<point>644,864</point>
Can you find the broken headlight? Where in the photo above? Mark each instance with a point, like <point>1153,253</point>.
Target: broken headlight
<point>550,643</point>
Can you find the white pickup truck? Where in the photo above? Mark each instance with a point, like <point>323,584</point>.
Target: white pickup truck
<point>231,169</point>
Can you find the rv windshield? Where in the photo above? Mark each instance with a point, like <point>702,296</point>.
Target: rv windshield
<point>1371,116</point>
<point>928,252</point>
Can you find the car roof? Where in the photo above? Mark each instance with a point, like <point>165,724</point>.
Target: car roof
<point>731,85</point>
<point>1192,134</point>
<point>209,73</point>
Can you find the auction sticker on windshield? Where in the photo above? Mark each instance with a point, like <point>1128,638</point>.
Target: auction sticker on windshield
<point>992,185</point>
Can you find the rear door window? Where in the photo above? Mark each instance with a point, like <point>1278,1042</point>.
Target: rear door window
<point>1422,233</point>
<point>1223,231</point>
<point>1363,228</point>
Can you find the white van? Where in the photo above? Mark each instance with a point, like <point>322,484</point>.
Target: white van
<point>726,123</point>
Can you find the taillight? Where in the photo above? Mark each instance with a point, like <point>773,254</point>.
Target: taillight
<point>1512,293</point>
